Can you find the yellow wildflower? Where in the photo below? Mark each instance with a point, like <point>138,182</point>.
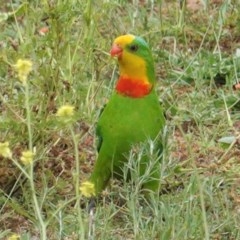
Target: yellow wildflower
<point>5,150</point>
<point>65,112</point>
<point>14,236</point>
<point>27,157</point>
<point>87,189</point>
<point>23,68</point>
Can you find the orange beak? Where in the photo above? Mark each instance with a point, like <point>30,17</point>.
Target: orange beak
<point>116,50</point>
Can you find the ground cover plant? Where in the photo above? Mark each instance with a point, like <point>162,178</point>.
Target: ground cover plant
<point>55,76</point>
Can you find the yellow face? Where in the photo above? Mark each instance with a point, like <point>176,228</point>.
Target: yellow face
<point>130,64</point>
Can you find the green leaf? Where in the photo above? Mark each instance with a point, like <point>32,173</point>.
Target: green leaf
<point>227,140</point>
<point>3,17</point>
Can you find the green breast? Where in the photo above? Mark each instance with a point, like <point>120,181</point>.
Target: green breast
<point>126,121</point>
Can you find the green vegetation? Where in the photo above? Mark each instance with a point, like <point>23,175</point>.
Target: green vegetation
<point>45,156</point>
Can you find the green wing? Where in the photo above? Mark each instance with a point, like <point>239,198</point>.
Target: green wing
<point>98,132</point>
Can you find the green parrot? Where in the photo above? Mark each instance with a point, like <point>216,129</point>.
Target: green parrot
<point>132,116</point>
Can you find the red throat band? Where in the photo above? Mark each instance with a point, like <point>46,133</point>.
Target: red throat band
<point>133,87</point>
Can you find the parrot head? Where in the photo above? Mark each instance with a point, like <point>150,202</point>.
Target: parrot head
<point>134,56</point>
<point>135,65</point>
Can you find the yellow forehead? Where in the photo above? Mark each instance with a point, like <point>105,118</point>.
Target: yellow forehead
<point>124,39</point>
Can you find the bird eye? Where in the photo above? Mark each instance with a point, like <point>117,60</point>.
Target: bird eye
<point>134,48</point>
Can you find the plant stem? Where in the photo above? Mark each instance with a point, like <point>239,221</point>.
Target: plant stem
<point>31,173</point>
<point>77,185</point>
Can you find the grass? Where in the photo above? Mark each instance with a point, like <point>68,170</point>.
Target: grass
<point>196,67</point>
